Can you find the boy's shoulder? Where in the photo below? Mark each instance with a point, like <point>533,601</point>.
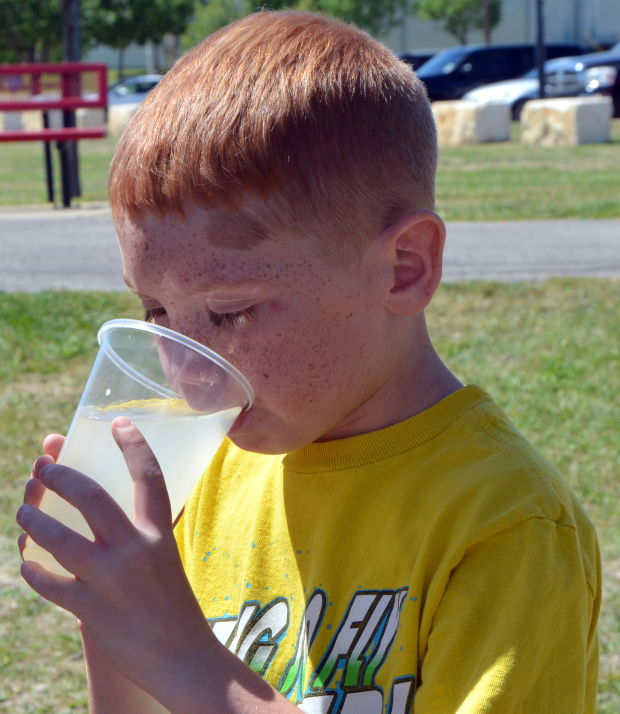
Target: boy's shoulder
<point>483,460</point>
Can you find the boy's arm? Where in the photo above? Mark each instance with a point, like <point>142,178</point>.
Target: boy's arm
<point>515,630</point>
<point>138,614</point>
<point>110,692</point>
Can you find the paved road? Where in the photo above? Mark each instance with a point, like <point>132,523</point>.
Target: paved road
<point>76,249</point>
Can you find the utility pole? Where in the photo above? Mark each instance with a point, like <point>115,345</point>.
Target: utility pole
<point>71,30</point>
<point>540,46</point>
<point>72,53</point>
<point>486,21</point>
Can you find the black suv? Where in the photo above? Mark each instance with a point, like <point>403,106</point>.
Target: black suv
<point>451,73</point>
<point>418,58</point>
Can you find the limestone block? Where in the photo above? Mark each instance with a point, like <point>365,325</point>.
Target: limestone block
<point>11,121</point>
<point>33,120</point>
<point>566,121</point>
<point>118,116</point>
<point>85,117</point>
<point>464,122</point>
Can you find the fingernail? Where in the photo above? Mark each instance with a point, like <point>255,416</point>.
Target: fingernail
<point>24,514</point>
<point>122,422</point>
<point>41,463</point>
<point>46,471</point>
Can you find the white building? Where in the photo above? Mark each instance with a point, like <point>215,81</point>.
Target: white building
<point>593,22</point>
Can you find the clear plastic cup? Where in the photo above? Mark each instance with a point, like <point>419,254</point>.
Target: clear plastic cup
<point>182,396</point>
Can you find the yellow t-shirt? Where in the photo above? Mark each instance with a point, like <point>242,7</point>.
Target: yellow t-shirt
<point>439,565</point>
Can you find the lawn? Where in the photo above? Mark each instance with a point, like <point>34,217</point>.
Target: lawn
<point>548,352</point>
<point>502,181</point>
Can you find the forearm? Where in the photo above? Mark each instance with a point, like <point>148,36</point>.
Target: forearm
<point>215,683</point>
<point>220,683</point>
<point>109,692</point>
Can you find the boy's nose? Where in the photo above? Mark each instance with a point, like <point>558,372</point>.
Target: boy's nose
<point>201,382</point>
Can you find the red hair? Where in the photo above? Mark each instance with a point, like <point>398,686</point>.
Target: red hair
<point>289,103</point>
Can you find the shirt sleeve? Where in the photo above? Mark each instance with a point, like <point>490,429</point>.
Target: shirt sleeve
<point>515,630</point>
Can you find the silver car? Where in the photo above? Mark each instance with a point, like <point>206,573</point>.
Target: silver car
<point>133,89</point>
<point>561,80</point>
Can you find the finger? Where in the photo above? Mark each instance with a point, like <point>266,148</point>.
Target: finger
<point>21,543</point>
<point>105,517</point>
<point>40,464</point>
<point>72,550</point>
<point>61,590</point>
<point>52,444</point>
<point>33,491</point>
<point>152,504</point>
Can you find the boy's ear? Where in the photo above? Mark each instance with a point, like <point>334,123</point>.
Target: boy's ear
<point>413,247</point>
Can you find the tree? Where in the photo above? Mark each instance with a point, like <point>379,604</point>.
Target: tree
<point>460,17</point>
<point>375,16</point>
<point>30,30</point>
<point>210,15</point>
<point>118,23</point>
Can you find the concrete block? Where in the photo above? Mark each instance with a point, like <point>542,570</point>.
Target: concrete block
<point>464,122</point>
<point>118,116</point>
<point>11,121</point>
<point>33,120</point>
<point>86,118</point>
<point>567,121</point>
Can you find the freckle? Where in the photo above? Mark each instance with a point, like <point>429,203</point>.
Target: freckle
<point>266,376</point>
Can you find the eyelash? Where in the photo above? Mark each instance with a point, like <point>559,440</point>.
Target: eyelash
<point>228,319</point>
<point>233,319</point>
<point>151,313</point>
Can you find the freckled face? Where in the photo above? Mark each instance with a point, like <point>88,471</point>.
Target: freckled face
<point>308,334</point>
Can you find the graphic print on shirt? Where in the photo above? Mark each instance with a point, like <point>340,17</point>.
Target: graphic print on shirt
<point>344,680</point>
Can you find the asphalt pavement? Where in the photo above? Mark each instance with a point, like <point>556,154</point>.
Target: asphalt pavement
<point>76,249</point>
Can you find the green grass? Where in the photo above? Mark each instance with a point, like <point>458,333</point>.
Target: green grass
<point>503,181</point>
<point>548,352</point>
<point>509,181</point>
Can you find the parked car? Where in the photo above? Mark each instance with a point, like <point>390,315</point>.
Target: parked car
<point>133,89</point>
<point>515,92</point>
<point>589,75</point>
<point>418,58</point>
<point>453,72</point>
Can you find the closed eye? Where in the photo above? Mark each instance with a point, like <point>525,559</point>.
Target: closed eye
<point>233,319</point>
<point>152,313</point>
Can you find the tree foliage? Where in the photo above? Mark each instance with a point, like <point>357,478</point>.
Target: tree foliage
<point>210,15</point>
<point>30,30</point>
<point>460,17</point>
<point>118,23</point>
<point>375,16</point>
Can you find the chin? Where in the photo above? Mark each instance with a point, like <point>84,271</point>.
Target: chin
<point>256,444</point>
<point>261,439</point>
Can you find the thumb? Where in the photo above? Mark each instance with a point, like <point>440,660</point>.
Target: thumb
<point>152,505</point>
<point>52,444</point>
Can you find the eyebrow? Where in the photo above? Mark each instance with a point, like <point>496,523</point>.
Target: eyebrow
<point>211,285</point>
<point>216,284</point>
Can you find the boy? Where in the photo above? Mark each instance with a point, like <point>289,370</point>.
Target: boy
<point>375,537</point>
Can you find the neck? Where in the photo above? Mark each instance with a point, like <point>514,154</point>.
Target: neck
<point>417,380</point>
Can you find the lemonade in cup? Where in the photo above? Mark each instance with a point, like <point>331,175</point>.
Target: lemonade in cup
<point>182,396</point>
